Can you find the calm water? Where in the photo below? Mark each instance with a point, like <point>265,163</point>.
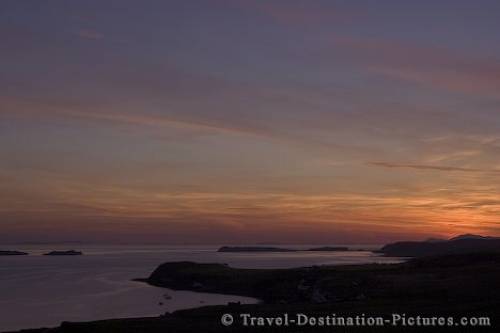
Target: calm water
<point>37,291</point>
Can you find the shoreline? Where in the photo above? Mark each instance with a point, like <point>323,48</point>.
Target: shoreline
<point>451,285</point>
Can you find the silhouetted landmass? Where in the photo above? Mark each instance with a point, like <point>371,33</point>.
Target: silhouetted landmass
<point>329,248</point>
<point>436,240</point>
<point>455,285</point>
<point>64,253</point>
<point>277,249</point>
<point>320,284</point>
<point>456,245</point>
<point>472,236</point>
<point>12,253</point>
<point>253,249</point>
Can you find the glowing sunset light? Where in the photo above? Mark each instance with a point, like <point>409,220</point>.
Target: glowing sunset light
<point>289,121</point>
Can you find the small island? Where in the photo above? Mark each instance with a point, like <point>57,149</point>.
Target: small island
<point>12,253</point>
<point>64,253</point>
<point>329,248</point>
<point>279,249</point>
<point>253,249</point>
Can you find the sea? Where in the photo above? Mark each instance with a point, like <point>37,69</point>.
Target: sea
<point>42,291</point>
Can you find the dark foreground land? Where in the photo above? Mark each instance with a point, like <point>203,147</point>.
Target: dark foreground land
<point>455,285</point>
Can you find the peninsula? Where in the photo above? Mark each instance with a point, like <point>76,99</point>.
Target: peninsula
<point>64,253</point>
<point>278,249</point>
<point>12,253</point>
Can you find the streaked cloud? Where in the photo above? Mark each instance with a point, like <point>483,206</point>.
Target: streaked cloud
<point>243,120</point>
<point>432,167</point>
<point>428,65</point>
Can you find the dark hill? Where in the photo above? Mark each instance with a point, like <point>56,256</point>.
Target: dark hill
<point>454,246</point>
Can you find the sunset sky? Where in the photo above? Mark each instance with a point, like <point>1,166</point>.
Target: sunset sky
<point>244,121</point>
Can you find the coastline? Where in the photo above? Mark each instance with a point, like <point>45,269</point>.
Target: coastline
<point>428,285</point>
<point>98,286</point>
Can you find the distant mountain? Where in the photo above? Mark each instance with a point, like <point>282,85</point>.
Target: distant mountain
<point>434,240</point>
<point>472,236</point>
<point>457,245</point>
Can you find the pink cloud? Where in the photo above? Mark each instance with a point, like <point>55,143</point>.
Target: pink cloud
<point>431,66</point>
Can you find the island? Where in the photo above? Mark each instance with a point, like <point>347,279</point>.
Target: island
<point>64,253</point>
<point>12,253</point>
<point>278,249</point>
<point>253,249</point>
<point>329,248</point>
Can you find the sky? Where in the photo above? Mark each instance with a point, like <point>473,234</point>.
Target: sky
<point>249,121</point>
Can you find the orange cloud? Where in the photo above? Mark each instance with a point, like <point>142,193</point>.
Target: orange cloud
<point>431,167</point>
